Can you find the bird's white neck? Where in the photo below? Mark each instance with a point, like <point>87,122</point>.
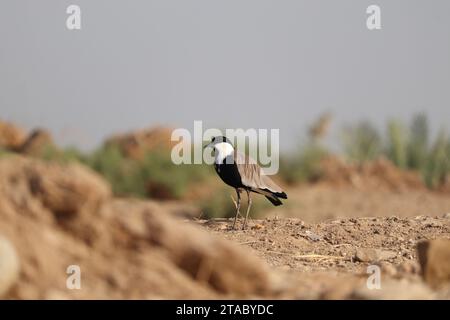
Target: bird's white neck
<point>222,150</point>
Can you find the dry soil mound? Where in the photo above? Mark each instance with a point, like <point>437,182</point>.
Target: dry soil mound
<point>57,216</point>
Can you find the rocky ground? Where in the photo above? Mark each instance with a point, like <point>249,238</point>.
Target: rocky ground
<point>330,259</point>
<point>334,245</point>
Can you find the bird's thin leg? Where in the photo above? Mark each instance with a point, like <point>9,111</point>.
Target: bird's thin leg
<point>234,201</point>
<point>249,204</point>
<point>238,206</point>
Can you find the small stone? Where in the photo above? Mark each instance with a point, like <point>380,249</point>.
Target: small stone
<point>431,224</point>
<point>312,236</point>
<point>446,216</point>
<point>258,226</point>
<point>285,267</point>
<point>373,255</point>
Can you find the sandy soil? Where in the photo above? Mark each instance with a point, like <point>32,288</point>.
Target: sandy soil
<point>294,244</point>
<point>323,260</point>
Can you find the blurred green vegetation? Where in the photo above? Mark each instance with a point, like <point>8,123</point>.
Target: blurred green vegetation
<point>153,176</point>
<point>361,142</point>
<point>52,153</point>
<point>4,152</point>
<point>408,147</point>
<point>418,142</point>
<point>121,172</point>
<point>304,165</point>
<point>437,165</point>
<point>397,143</point>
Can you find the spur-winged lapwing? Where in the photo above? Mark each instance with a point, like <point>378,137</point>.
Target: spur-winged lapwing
<point>244,174</point>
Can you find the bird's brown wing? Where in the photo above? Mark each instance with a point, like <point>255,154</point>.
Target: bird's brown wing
<point>252,175</point>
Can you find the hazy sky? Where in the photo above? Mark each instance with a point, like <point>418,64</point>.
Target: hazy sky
<point>230,63</point>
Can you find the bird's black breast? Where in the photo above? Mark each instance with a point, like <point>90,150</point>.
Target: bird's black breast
<point>229,173</point>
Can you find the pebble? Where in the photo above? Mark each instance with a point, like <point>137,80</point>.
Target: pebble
<point>312,236</point>
<point>373,255</point>
<point>258,226</point>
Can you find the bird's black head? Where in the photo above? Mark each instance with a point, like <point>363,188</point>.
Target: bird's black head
<point>217,140</point>
<point>220,139</point>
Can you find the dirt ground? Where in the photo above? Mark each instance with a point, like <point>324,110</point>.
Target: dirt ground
<point>291,243</point>
<point>317,255</point>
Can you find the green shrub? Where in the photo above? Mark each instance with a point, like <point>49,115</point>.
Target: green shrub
<point>397,148</point>
<point>158,169</point>
<point>418,142</point>
<point>52,153</point>
<point>4,152</point>
<point>362,142</point>
<point>153,176</point>
<point>303,166</point>
<point>121,173</point>
<point>438,163</point>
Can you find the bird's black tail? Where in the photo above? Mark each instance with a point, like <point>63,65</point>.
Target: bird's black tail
<point>275,201</point>
<point>273,196</point>
<point>281,195</point>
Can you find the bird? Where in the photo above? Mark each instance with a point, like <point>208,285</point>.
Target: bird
<point>243,174</point>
